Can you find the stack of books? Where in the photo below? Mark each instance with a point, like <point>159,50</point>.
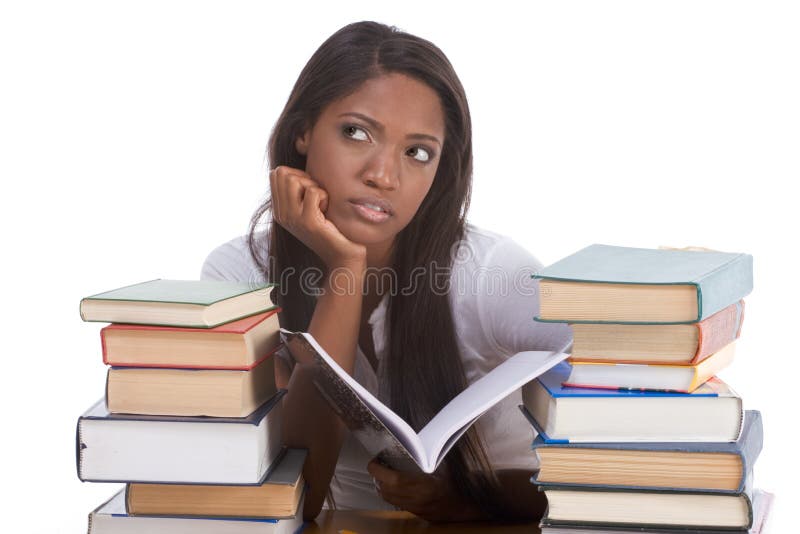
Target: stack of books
<point>635,432</point>
<point>191,418</point>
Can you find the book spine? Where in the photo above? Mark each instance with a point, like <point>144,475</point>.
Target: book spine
<point>752,442</point>
<point>718,330</point>
<point>103,345</point>
<point>79,451</point>
<point>724,286</point>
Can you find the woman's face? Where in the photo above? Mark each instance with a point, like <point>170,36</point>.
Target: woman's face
<point>380,144</point>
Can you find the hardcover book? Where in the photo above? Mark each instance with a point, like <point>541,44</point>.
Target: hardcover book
<point>685,344</point>
<point>189,303</point>
<point>609,284</point>
<point>607,507</point>
<point>186,450</point>
<point>216,393</point>
<point>385,434</point>
<point>762,505</point>
<point>656,377</point>
<point>680,466</point>
<point>713,412</point>
<point>277,497</point>
<point>236,345</point>
<point>111,517</point>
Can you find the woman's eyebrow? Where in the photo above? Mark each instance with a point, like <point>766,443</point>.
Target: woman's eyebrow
<point>378,126</point>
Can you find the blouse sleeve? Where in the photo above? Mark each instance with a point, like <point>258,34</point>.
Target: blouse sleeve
<point>231,261</point>
<point>511,300</point>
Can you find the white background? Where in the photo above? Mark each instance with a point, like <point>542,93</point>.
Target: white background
<point>132,140</point>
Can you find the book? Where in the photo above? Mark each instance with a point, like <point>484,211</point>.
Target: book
<point>385,434</point>
<point>238,345</point>
<point>277,496</point>
<point>664,343</point>
<point>186,450</point>
<point>189,392</point>
<point>680,466</point>
<point>762,505</point>
<point>713,412</point>
<point>111,517</point>
<point>580,506</point>
<point>610,284</point>
<point>190,303</point>
<point>658,377</point>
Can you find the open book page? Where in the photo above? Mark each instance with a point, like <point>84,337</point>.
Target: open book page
<point>382,432</point>
<point>481,395</point>
<point>386,435</point>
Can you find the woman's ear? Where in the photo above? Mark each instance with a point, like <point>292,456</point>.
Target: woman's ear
<point>301,143</point>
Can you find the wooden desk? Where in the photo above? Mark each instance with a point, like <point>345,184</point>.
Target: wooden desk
<point>374,522</point>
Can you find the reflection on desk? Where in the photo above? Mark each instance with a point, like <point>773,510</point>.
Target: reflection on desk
<point>382,522</point>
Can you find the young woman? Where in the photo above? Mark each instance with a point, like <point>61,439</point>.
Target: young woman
<point>371,173</point>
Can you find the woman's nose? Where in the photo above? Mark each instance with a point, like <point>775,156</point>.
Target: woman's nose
<point>383,170</point>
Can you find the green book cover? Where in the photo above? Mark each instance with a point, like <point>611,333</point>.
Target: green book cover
<point>721,278</point>
<point>200,294</point>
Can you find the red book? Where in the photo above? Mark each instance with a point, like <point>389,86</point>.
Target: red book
<point>239,345</point>
<point>677,344</point>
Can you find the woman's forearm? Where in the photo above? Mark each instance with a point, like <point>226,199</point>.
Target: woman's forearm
<point>308,420</point>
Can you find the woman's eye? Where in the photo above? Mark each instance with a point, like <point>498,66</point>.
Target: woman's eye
<point>420,151</point>
<point>352,131</point>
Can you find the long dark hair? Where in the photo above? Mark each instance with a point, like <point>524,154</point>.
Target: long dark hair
<point>423,361</point>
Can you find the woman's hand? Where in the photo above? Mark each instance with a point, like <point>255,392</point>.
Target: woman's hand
<point>299,205</point>
<point>429,496</point>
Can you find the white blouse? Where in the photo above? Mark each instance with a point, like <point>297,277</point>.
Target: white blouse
<point>493,299</point>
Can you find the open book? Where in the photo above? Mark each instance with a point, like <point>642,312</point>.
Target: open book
<point>386,435</point>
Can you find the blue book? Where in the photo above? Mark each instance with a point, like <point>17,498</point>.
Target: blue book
<point>713,412</point>
<point>625,285</point>
<point>679,466</point>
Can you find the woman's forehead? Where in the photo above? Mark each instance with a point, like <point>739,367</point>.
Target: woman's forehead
<point>396,101</point>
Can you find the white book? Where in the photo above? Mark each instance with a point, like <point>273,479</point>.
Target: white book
<point>112,518</point>
<point>386,435</point>
<point>185,450</point>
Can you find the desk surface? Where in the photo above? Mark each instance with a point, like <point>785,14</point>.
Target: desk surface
<point>374,522</point>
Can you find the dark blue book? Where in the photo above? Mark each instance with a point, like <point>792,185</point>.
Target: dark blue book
<point>680,466</point>
<point>178,450</point>
<point>713,412</point>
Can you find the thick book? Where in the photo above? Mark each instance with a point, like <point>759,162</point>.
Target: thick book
<point>656,377</point>
<point>713,412</point>
<point>189,392</point>
<point>182,450</point>
<point>612,507</point>
<point>610,284</point>
<point>762,505</point>
<point>680,466</point>
<point>385,434</point>
<point>189,303</point>
<point>238,345</point>
<point>686,344</point>
<point>111,517</point>
<point>278,496</point>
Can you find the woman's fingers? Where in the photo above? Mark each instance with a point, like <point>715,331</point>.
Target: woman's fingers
<point>299,205</point>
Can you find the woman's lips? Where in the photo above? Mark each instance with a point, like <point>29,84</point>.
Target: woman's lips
<point>369,214</point>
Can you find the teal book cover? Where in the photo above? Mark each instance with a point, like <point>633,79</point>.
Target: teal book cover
<point>720,278</point>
